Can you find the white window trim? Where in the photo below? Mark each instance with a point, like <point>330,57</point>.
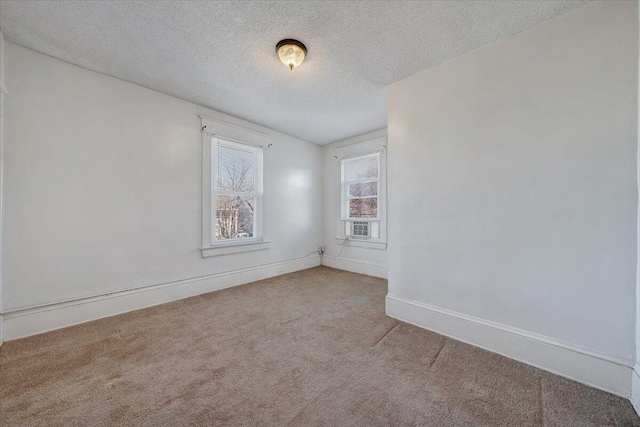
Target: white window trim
<point>377,145</point>
<point>236,248</point>
<point>212,128</point>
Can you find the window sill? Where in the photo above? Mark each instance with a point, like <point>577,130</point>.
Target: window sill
<point>234,248</point>
<point>362,243</point>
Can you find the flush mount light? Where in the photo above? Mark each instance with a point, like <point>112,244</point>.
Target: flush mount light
<point>291,52</point>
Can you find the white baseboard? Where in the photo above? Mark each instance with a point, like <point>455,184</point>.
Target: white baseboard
<point>608,373</point>
<point>31,321</point>
<point>376,270</point>
<point>635,388</point>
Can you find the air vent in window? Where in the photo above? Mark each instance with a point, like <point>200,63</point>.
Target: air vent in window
<point>360,229</point>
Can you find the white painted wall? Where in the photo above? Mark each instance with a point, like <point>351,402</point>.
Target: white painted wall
<point>635,377</point>
<point>361,260</point>
<point>515,166</point>
<point>103,187</point>
<point>2,95</point>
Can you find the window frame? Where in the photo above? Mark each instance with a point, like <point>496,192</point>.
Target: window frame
<point>247,136</point>
<point>368,147</point>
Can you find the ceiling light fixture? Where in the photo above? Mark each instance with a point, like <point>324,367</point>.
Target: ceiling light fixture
<point>291,52</point>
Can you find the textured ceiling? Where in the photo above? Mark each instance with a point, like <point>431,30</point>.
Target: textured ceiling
<point>221,54</point>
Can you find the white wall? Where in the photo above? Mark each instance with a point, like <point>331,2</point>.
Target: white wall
<point>516,167</point>
<point>2,95</point>
<point>358,259</point>
<point>103,187</point>
<point>635,386</point>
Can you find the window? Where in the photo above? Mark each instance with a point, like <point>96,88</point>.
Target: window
<point>235,191</point>
<point>360,182</point>
<point>361,190</point>
<point>232,191</point>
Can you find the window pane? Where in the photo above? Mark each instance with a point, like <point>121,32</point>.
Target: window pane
<point>363,208</point>
<point>361,168</point>
<point>234,217</point>
<point>363,189</point>
<point>234,169</point>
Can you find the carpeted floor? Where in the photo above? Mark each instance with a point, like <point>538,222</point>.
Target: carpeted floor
<point>309,348</point>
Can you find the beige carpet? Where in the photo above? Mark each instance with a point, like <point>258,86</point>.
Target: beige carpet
<point>310,348</point>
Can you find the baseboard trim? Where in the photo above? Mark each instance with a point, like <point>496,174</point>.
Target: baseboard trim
<point>32,321</point>
<point>635,388</point>
<point>608,373</point>
<point>370,269</point>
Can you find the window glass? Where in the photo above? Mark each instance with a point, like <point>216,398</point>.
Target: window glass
<point>234,169</point>
<point>234,217</point>
<point>235,199</point>
<point>360,180</point>
<point>363,189</point>
<point>362,168</point>
<point>363,208</point>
